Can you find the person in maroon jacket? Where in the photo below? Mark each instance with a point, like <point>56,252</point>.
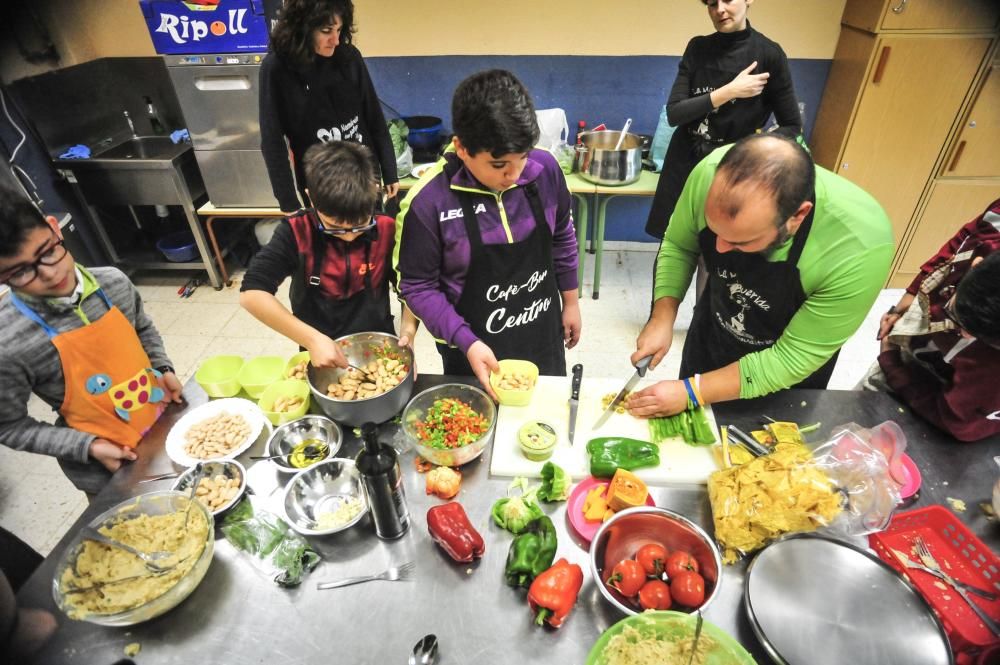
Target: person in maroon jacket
<point>941,341</point>
<point>338,254</point>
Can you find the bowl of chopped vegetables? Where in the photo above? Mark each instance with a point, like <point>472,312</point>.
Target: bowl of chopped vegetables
<point>450,424</point>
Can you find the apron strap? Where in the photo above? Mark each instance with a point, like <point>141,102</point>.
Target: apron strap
<point>32,315</point>
<point>319,252</point>
<point>535,201</point>
<point>469,219</point>
<point>799,243</point>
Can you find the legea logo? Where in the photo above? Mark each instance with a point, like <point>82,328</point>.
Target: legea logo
<point>181,29</point>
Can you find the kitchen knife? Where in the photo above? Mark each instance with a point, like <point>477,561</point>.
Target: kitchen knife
<point>574,400</point>
<point>640,371</point>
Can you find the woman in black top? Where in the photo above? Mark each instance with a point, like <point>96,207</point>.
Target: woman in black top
<point>727,86</point>
<point>314,87</point>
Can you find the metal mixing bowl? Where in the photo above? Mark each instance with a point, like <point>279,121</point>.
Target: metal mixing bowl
<point>322,488</point>
<point>285,438</point>
<point>601,164</point>
<point>472,396</point>
<point>622,535</point>
<point>228,468</point>
<point>359,349</point>
<point>154,503</point>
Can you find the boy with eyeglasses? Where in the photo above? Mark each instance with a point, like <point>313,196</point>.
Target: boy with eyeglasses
<point>941,342</point>
<point>80,340</point>
<point>337,253</point>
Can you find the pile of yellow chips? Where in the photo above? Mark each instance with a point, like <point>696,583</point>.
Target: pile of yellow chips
<point>755,502</point>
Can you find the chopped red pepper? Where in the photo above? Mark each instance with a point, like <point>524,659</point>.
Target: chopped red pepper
<point>553,593</point>
<point>450,528</point>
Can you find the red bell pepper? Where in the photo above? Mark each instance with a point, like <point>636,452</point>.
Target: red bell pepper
<point>554,592</point>
<point>450,528</point>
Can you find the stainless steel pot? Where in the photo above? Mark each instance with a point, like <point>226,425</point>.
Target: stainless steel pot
<point>601,164</point>
<point>360,348</point>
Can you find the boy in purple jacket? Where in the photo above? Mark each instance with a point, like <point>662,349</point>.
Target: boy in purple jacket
<point>486,248</point>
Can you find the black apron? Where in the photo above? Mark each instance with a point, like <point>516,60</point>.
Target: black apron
<point>332,112</point>
<point>746,306</point>
<point>527,324</point>
<point>365,311</point>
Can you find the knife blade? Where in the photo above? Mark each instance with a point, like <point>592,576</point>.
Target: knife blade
<point>574,400</point>
<point>640,371</point>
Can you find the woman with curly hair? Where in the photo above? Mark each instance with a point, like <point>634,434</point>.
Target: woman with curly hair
<point>314,87</point>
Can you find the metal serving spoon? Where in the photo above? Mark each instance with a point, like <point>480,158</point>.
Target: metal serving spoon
<point>150,559</point>
<point>424,651</point>
<point>309,452</point>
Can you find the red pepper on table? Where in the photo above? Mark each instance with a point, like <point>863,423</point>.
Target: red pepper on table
<point>450,528</point>
<point>554,592</point>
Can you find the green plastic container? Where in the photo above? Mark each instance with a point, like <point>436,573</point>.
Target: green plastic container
<point>218,376</point>
<point>284,388</point>
<point>293,361</point>
<point>260,372</point>
<point>675,626</point>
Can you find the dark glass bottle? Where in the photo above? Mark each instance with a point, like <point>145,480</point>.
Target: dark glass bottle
<point>383,481</point>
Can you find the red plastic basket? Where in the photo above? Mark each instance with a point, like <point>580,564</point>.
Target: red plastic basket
<point>964,557</point>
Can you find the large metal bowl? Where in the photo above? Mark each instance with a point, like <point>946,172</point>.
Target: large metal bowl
<point>601,164</point>
<point>359,349</point>
<point>323,488</point>
<point>289,435</point>
<point>153,503</point>
<point>622,535</point>
<point>473,397</point>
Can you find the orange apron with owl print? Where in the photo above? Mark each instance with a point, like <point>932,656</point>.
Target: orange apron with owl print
<point>111,391</point>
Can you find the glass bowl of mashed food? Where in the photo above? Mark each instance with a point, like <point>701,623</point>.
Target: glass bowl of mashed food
<point>110,586</point>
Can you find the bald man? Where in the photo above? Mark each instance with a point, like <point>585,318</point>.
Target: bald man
<point>795,257</point>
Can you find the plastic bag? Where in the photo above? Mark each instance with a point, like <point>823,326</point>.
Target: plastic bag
<point>404,162</point>
<point>843,487</point>
<point>661,139</point>
<point>565,155</point>
<point>552,127</point>
<point>277,551</point>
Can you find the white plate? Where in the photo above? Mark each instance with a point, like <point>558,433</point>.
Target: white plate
<point>420,169</point>
<point>235,405</point>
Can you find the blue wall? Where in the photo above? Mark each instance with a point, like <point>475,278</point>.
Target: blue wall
<point>596,89</point>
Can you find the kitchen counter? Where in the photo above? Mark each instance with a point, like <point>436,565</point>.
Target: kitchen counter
<point>237,616</point>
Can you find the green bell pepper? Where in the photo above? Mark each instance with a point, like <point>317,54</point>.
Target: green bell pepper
<point>608,454</point>
<point>691,425</point>
<point>531,553</point>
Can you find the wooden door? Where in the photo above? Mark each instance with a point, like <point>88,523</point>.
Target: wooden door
<point>941,15</point>
<point>976,151</point>
<point>951,204</point>
<point>907,108</point>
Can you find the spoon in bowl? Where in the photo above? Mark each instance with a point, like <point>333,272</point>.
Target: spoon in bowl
<point>624,133</point>
<point>424,651</point>
<point>312,451</point>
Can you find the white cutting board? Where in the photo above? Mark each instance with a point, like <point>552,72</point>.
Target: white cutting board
<point>680,463</point>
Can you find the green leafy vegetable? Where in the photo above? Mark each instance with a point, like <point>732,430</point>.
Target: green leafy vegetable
<point>555,483</point>
<point>514,513</point>
<point>398,131</point>
<point>265,536</point>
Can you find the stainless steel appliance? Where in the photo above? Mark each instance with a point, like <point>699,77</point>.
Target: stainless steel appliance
<point>218,94</point>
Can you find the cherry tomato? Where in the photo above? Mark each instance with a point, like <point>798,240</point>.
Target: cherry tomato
<point>655,595</point>
<point>679,562</point>
<point>652,558</point>
<point>627,577</point>
<point>688,589</point>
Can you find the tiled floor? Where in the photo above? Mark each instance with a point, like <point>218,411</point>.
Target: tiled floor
<point>39,504</point>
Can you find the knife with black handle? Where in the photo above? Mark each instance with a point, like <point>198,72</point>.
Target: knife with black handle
<point>574,399</point>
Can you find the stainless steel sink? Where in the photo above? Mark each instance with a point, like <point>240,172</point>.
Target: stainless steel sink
<point>142,147</point>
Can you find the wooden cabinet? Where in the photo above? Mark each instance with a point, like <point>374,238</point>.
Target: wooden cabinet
<point>934,15</point>
<point>951,204</point>
<point>909,101</point>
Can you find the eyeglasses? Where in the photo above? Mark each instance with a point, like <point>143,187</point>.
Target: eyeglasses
<point>949,312</point>
<point>339,231</point>
<point>26,273</point>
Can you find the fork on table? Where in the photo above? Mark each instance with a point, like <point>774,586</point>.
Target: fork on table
<point>394,574</point>
<point>925,555</point>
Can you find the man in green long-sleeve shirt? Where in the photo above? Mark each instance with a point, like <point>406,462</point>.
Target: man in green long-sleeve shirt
<point>795,257</point>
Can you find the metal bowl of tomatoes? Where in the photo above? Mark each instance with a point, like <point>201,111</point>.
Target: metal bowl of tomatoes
<point>654,558</point>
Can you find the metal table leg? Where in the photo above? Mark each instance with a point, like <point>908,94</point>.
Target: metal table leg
<point>602,210</point>
<point>583,216</point>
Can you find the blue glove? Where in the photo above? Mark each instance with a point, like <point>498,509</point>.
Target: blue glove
<point>180,135</point>
<point>78,151</point>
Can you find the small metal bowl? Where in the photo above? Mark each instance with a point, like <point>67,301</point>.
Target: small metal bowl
<point>319,489</point>
<point>227,468</point>
<point>622,535</point>
<point>285,438</point>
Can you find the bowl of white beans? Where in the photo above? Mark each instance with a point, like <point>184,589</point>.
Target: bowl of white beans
<point>220,487</point>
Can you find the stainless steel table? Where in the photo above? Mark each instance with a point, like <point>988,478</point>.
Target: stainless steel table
<point>237,616</point>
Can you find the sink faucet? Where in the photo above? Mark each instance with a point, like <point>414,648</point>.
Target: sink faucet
<point>128,119</point>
